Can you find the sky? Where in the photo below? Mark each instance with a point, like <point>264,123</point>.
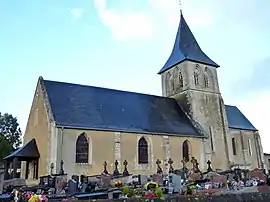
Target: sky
<point>122,44</point>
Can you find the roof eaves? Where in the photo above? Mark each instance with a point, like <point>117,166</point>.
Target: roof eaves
<point>128,131</point>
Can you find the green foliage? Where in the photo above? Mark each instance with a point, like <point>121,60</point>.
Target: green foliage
<point>131,193</point>
<point>159,192</point>
<point>10,134</point>
<point>5,147</point>
<point>125,190</point>
<point>9,127</point>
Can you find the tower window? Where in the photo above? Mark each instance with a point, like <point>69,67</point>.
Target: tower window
<point>181,83</point>
<point>249,147</point>
<point>211,139</point>
<point>206,81</point>
<point>172,84</point>
<point>196,78</point>
<point>234,146</point>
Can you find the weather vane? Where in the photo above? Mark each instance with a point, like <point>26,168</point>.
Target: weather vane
<point>180,5</point>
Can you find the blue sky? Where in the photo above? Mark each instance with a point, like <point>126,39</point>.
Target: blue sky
<point>123,44</point>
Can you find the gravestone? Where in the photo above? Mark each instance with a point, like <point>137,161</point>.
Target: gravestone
<point>143,179</point>
<point>158,178</point>
<point>194,176</point>
<point>137,179</point>
<point>106,181</point>
<point>72,185</point>
<point>176,181</point>
<point>60,183</point>
<point>258,173</point>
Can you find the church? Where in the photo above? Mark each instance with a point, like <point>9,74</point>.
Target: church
<point>83,126</point>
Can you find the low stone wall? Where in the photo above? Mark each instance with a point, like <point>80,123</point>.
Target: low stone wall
<point>263,197</point>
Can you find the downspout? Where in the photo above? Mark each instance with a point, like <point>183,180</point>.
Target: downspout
<point>224,131</point>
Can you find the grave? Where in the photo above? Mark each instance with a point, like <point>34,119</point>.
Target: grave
<point>258,173</point>
<point>176,181</point>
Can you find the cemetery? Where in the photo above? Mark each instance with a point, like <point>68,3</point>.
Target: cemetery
<point>182,184</point>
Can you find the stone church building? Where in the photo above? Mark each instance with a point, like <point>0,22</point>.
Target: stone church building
<point>85,125</point>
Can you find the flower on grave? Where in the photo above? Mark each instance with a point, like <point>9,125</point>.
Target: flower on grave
<point>118,184</point>
<point>151,185</point>
<point>150,195</point>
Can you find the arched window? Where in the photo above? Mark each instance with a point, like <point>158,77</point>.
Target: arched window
<point>206,81</point>
<point>185,150</point>
<point>168,82</point>
<point>249,147</point>
<point>142,151</point>
<point>82,149</point>
<point>172,84</point>
<point>181,82</point>
<point>234,146</point>
<point>196,76</point>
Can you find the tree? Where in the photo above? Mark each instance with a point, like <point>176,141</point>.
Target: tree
<point>9,128</point>
<point>5,147</point>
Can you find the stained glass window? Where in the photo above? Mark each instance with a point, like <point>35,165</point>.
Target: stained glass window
<point>143,151</point>
<point>82,149</point>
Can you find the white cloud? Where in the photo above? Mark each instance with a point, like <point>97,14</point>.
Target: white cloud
<point>257,109</point>
<point>77,13</point>
<point>170,11</point>
<point>124,25</point>
<point>140,24</point>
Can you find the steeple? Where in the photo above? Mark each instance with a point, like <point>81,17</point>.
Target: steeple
<point>186,48</point>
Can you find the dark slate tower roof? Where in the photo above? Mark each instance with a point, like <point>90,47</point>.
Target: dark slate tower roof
<point>88,107</point>
<point>186,48</point>
<point>237,120</point>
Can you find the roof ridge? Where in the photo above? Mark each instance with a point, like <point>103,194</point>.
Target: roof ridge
<point>105,88</point>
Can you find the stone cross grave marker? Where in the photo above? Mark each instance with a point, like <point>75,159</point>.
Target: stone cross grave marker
<point>159,170</point>
<point>170,163</point>
<point>116,171</point>
<point>209,169</point>
<point>105,168</point>
<point>125,172</point>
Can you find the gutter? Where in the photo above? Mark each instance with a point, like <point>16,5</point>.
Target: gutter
<point>199,135</point>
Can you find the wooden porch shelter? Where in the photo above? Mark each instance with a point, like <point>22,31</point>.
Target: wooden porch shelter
<point>28,153</point>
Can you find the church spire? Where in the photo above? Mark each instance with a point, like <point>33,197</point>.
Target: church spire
<point>186,48</point>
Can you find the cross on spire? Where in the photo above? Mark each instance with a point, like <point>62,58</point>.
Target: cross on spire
<point>180,5</point>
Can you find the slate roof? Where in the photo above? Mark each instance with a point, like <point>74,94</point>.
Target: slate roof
<point>237,120</point>
<point>80,106</point>
<point>28,151</point>
<point>186,48</point>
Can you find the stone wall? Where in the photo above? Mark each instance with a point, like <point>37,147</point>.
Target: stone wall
<point>222,198</point>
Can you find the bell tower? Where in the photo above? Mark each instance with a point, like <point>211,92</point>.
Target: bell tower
<point>190,77</point>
